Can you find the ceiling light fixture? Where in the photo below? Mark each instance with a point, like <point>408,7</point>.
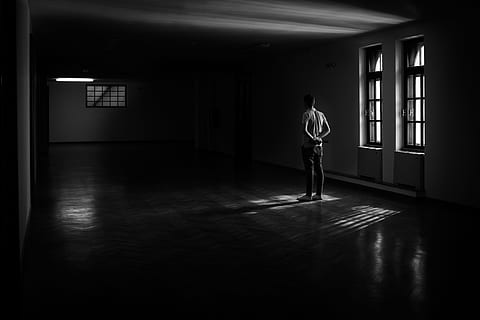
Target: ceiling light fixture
<point>74,79</point>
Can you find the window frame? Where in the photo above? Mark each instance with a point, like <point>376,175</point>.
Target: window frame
<point>413,71</point>
<point>373,75</point>
<point>108,85</point>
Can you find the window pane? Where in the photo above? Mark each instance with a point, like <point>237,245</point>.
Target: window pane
<point>379,132</point>
<point>423,86</point>
<point>379,64</point>
<point>121,104</point>
<point>410,87</point>
<point>418,109</point>
<point>372,132</point>
<point>416,62</point>
<point>371,110</point>
<point>422,55</point>
<point>374,57</point>
<point>90,103</point>
<point>413,56</point>
<point>371,89</point>
<point>423,141</point>
<point>410,57</point>
<point>378,112</point>
<point>423,109</point>
<point>377,89</point>
<point>415,53</point>
<point>418,134</point>
<point>410,110</point>
<point>418,84</point>
<point>410,133</point>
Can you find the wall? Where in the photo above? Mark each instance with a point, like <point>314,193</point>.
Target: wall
<point>278,91</point>
<point>23,115</point>
<point>197,106</point>
<point>159,110</point>
<point>451,160</point>
<point>215,112</point>
<point>331,73</point>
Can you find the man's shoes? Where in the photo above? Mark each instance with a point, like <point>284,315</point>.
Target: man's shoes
<point>317,197</point>
<point>305,198</point>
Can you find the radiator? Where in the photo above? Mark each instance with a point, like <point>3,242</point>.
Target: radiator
<point>370,163</point>
<point>409,169</point>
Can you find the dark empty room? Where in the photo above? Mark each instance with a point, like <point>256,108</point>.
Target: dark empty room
<point>239,159</point>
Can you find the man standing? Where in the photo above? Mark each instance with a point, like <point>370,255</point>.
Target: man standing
<point>315,127</point>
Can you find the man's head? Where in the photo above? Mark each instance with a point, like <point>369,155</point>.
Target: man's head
<point>308,101</point>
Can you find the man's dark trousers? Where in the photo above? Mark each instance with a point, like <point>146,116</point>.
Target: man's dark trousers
<point>313,164</point>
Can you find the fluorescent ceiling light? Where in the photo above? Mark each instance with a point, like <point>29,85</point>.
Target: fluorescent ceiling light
<point>74,79</point>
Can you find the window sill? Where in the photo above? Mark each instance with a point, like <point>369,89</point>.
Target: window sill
<point>415,152</point>
<point>371,148</point>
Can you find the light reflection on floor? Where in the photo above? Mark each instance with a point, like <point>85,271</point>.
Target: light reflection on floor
<point>358,218</point>
<point>378,256</point>
<point>418,268</point>
<point>333,223</point>
<point>249,203</point>
<point>77,214</point>
<point>384,260</point>
<point>279,199</point>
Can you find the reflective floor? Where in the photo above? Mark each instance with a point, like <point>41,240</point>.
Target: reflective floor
<point>156,228</point>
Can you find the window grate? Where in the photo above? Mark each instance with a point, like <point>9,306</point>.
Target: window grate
<point>106,96</point>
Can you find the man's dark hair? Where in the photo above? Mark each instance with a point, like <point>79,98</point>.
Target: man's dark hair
<point>309,100</point>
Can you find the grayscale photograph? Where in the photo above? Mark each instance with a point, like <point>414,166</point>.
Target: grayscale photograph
<point>239,159</point>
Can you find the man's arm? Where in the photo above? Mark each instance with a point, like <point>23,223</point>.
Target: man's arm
<point>305,130</point>
<point>326,126</point>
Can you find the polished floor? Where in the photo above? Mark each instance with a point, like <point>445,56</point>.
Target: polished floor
<point>150,228</point>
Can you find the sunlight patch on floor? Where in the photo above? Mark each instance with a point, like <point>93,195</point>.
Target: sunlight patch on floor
<point>279,199</point>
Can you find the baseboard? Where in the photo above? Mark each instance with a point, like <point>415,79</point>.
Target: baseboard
<point>375,185</point>
<point>358,181</point>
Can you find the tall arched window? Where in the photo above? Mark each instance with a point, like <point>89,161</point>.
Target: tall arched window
<point>414,108</point>
<point>373,108</point>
